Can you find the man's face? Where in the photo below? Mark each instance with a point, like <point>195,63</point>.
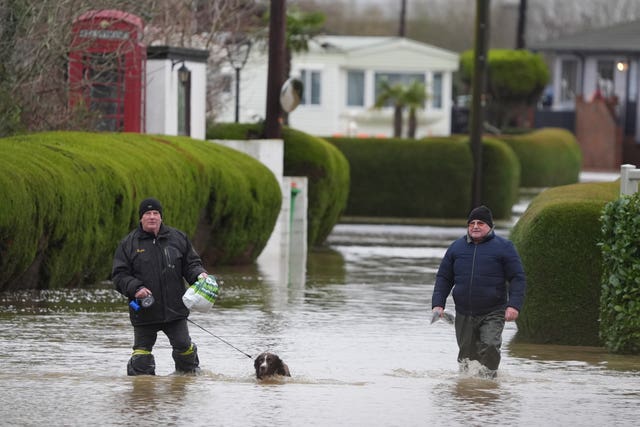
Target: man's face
<point>151,221</point>
<point>478,230</point>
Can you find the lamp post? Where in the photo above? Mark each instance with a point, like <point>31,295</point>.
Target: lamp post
<point>184,74</point>
<point>238,53</point>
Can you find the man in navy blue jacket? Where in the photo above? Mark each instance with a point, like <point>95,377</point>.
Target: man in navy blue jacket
<point>485,273</point>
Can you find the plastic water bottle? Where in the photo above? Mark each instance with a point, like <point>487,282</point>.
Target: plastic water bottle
<point>145,302</point>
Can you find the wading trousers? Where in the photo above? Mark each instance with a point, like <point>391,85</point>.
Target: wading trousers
<point>185,352</point>
<point>480,338</point>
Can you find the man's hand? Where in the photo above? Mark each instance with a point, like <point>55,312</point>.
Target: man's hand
<point>437,313</point>
<point>510,314</point>
<point>142,293</point>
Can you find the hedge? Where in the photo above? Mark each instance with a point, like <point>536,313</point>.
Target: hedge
<point>69,197</point>
<point>513,75</point>
<point>429,178</point>
<point>325,167</point>
<point>557,238</point>
<point>620,298</point>
<point>548,157</point>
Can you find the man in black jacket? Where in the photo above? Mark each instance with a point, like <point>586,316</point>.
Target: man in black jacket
<point>484,273</point>
<point>153,261</point>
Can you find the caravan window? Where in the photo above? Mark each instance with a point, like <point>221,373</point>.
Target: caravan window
<point>355,88</point>
<point>396,78</point>
<point>311,80</point>
<point>436,90</point>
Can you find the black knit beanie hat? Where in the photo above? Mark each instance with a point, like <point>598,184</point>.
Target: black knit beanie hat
<point>481,213</point>
<point>150,204</point>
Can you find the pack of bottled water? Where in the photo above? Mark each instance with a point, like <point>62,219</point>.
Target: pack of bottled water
<point>202,294</point>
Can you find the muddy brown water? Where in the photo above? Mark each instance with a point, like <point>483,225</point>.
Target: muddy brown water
<point>355,333</point>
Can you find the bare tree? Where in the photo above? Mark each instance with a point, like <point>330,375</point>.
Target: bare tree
<point>449,23</point>
<point>35,38</point>
<point>209,25</point>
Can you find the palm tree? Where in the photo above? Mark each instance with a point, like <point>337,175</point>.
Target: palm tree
<point>415,96</point>
<point>301,28</point>
<point>392,94</point>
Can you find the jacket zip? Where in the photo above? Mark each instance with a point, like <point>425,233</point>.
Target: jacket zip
<point>163,286</point>
<point>473,267</point>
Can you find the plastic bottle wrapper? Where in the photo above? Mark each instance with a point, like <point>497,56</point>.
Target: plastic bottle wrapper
<point>201,295</point>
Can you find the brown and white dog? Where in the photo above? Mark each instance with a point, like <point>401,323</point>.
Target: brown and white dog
<point>268,365</point>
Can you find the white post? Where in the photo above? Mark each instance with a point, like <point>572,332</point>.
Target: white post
<point>629,177</point>
<point>299,199</point>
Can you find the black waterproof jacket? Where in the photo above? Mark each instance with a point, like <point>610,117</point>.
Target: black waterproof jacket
<point>160,264</point>
<point>484,277</point>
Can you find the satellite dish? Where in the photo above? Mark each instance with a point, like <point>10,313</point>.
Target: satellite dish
<point>290,94</point>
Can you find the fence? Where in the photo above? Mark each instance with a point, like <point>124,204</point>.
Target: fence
<point>629,177</point>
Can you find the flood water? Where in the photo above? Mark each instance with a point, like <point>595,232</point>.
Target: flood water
<point>355,333</point>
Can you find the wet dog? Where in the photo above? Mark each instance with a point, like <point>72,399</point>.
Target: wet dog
<point>268,365</point>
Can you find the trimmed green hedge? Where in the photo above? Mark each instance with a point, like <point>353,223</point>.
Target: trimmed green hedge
<point>557,238</point>
<point>548,157</point>
<point>515,75</point>
<point>620,298</point>
<point>430,178</point>
<point>69,197</point>
<point>328,172</point>
<point>325,167</point>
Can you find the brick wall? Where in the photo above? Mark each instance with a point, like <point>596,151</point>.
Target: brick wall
<point>598,134</point>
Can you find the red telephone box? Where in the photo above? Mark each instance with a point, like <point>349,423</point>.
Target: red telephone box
<point>107,69</point>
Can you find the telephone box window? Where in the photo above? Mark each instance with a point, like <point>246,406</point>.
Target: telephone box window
<point>107,69</point>
<point>105,90</point>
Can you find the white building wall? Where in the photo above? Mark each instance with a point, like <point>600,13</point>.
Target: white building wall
<point>158,93</point>
<point>161,102</point>
<point>198,99</point>
<point>284,257</point>
<point>253,91</point>
<point>333,116</point>
<point>590,78</point>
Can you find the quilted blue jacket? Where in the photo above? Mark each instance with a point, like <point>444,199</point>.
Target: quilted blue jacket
<point>484,277</point>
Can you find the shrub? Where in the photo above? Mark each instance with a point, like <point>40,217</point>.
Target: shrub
<point>325,167</point>
<point>516,79</point>
<point>620,297</point>
<point>406,178</point>
<point>501,177</point>
<point>430,178</point>
<point>557,241</point>
<point>548,157</point>
<point>69,197</point>
<point>328,172</point>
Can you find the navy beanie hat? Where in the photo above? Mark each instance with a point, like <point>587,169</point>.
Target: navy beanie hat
<point>481,213</point>
<point>150,204</point>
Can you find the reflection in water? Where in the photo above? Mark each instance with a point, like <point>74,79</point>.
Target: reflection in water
<point>148,396</point>
<point>596,356</point>
<point>355,333</point>
<point>477,392</point>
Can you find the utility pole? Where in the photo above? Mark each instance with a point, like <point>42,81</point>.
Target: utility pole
<point>402,30</point>
<point>522,25</point>
<point>478,97</point>
<point>275,73</point>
